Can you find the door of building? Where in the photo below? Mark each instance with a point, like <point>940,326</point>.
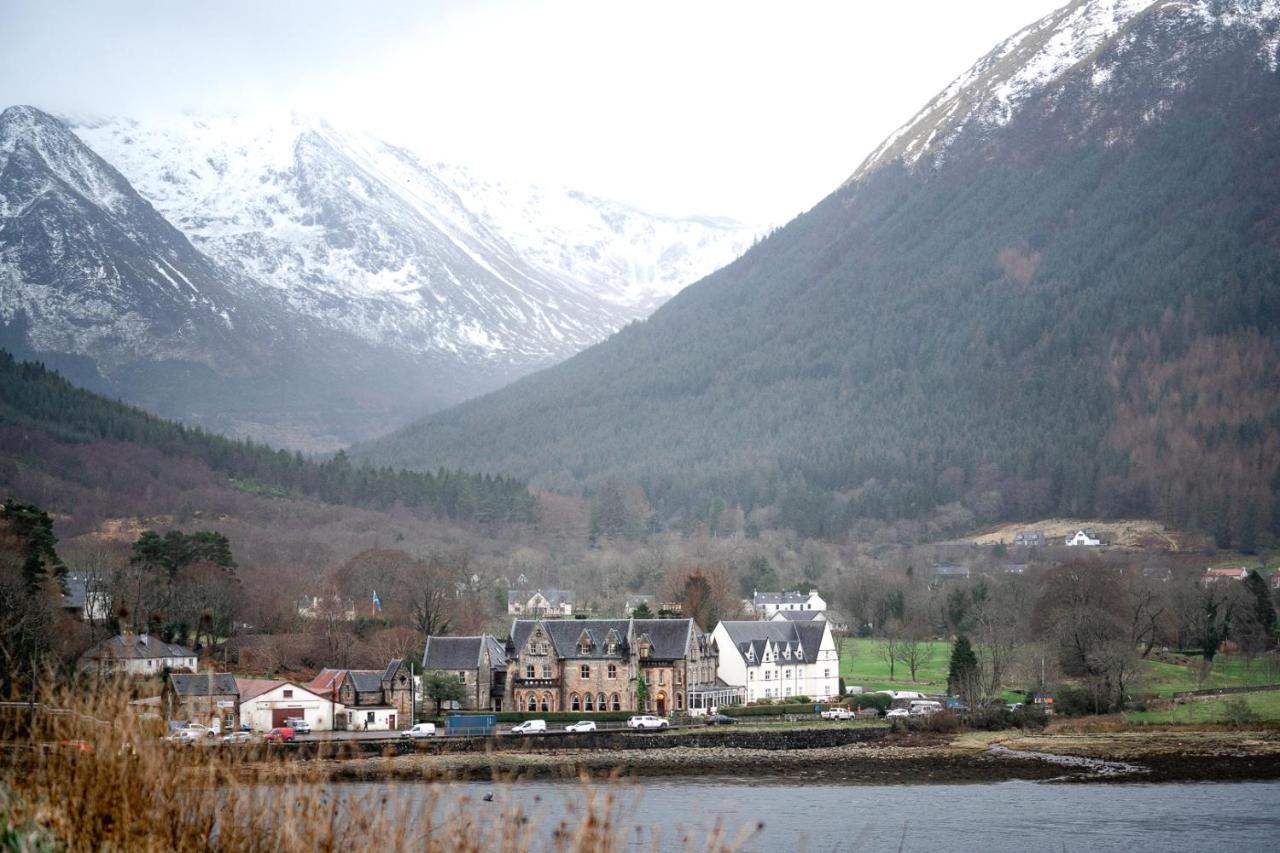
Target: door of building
<point>662,704</point>
<point>279,715</point>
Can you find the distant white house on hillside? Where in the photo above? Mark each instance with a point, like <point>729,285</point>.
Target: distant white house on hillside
<point>540,603</point>
<point>766,604</point>
<point>1029,538</point>
<point>138,654</point>
<point>1083,537</point>
<point>1231,573</point>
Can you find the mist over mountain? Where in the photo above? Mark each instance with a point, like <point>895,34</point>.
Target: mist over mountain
<point>287,280</point>
<point>1055,290</point>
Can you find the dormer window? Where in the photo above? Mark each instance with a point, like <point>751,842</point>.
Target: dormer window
<point>584,649</point>
<point>611,649</point>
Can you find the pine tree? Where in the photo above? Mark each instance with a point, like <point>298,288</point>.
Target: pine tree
<point>1264,609</point>
<point>963,673</point>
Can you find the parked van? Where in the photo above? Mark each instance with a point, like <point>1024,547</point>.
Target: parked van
<point>299,725</point>
<point>922,707</point>
<point>280,734</point>
<point>530,727</point>
<point>905,694</point>
<point>420,730</point>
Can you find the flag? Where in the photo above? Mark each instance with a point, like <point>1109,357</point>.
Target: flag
<point>377,603</point>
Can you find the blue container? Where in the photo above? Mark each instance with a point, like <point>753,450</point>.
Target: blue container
<point>471,724</point>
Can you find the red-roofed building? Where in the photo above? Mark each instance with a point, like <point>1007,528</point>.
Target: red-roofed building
<point>1231,573</point>
<point>368,699</point>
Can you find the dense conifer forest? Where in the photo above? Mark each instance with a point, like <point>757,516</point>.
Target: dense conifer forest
<point>42,416</point>
<point>1074,315</point>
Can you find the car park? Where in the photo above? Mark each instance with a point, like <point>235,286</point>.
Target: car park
<point>420,730</point>
<point>530,727</point>
<point>581,726</point>
<point>837,713</point>
<point>648,721</point>
<point>720,720</point>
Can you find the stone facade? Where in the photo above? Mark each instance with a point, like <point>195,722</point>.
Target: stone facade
<point>480,663</point>
<point>578,665</point>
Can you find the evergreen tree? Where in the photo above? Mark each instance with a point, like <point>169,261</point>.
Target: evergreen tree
<point>34,527</point>
<point>1264,608</point>
<point>962,675</point>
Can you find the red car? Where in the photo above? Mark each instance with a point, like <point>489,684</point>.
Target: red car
<point>283,734</point>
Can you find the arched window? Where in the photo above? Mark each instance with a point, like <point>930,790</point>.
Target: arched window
<point>546,702</point>
<point>617,702</point>
<point>533,702</point>
<point>679,700</point>
<point>588,702</point>
<point>600,705</point>
<point>574,703</point>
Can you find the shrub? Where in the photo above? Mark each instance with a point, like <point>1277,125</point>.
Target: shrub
<point>1239,713</point>
<point>943,721</point>
<point>879,701</point>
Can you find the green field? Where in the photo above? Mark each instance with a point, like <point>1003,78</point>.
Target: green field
<point>861,664</point>
<point>1265,706</point>
<point>1165,679</point>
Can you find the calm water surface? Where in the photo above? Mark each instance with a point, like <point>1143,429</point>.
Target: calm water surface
<point>1017,817</point>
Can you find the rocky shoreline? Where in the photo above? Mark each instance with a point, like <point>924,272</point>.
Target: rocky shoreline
<point>916,758</point>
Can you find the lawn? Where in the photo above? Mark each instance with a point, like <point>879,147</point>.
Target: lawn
<point>861,664</point>
<point>1165,679</point>
<point>1266,706</point>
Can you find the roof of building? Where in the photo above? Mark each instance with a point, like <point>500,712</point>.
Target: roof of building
<point>801,615</point>
<point>564,634</point>
<point>251,688</point>
<point>782,597</point>
<point>554,597</point>
<point>950,569</point>
<point>1227,572</point>
<point>77,594</point>
<point>191,684</point>
<point>453,652</point>
<point>137,647</point>
<point>497,652</point>
<point>669,638</point>
<point>802,637</point>
<point>327,680</point>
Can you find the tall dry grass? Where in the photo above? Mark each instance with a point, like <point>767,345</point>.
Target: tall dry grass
<point>98,777</point>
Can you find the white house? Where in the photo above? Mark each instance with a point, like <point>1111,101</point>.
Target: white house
<point>540,602</point>
<point>88,596</point>
<point>266,703</point>
<point>138,654</point>
<point>768,603</point>
<point>778,659</point>
<point>1084,537</point>
<point>835,620</point>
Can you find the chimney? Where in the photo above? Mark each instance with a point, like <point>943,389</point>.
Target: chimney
<point>142,639</point>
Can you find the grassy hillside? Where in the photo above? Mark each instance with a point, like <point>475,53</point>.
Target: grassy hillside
<point>1050,323</point>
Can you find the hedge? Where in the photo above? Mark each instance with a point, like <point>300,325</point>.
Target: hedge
<point>769,710</point>
<point>550,716</point>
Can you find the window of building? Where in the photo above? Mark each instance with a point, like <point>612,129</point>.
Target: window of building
<point>679,677</point>
<point>546,670</point>
<point>616,702</point>
<point>662,676</point>
<point>530,672</point>
<point>679,701</point>
<point>600,705</point>
<point>588,702</point>
<point>462,675</point>
<point>575,704</point>
<point>613,670</point>
<point>644,651</point>
<point>751,675</point>
<point>546,702</point>
<point>584,649</point>
<point>586,670</point>
<point>826,673</point>
<point>288,694</point>
<point>786,674</point>
<point>612,648</point>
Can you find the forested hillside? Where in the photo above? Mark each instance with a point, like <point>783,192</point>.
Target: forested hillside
<point>1070,311</point>
<point>51,430</point>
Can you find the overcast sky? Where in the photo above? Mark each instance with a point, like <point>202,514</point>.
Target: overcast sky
<point>745,109</point>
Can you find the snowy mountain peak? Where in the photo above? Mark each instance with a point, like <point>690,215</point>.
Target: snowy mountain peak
<point>1073,39</point>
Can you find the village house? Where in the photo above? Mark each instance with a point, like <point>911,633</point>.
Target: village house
<point>779,659</point>
<point>591,665</point>
<point>1029,539</point>
<point>950,571</point>
<point>540,603</point>
<point>1230,573</point>
<point>212,700</point>
<point>327,607</point>
<point>839,624</point>
<point>480,663</point>
<point>368,699</point>
<point>1084,537</point>
<point>87,597</point>
<point>266,703</point>
<point>766,604</point>
<point>137,654</point>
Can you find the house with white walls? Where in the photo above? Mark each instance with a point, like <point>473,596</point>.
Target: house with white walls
<point>266,703</point>
<point>766,604</point>
<point>779,659</point>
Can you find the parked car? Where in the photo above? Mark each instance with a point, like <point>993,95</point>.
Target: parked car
<point>720,720</point>
<point>648,721</point>
<point>897,712</point>
<point>420,730</point>
<point>1015,706</point>
<point>237,737</point>
<point>530,727</point>
<point>581,726</point>
<point>299,725</point>
<point>196,730</point>
<point>837,713</point>
<point>923,707</point>
<point>280,734</point>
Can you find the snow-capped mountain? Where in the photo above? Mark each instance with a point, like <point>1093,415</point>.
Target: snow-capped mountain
<point>379,242</point>
<point>1080,44</point>
<point>289,281</point>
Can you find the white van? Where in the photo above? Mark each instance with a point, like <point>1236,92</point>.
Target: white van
<point>905,694</point>
<point>923,707</point>
<point>529,727</point>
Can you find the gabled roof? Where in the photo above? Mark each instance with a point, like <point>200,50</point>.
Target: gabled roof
<point>190,684</point>
<point>253,687</point>
<point>497,652</point>
<point>137,647</point>
<point>454,653</point>
<point>327,681</point>
<point>555,597</point>
<point>801,615</point>
<point>781,597</point>
<point>668,638</point>
<point>802,638</point>
<point>366,680</point>
<point>564,634</point>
